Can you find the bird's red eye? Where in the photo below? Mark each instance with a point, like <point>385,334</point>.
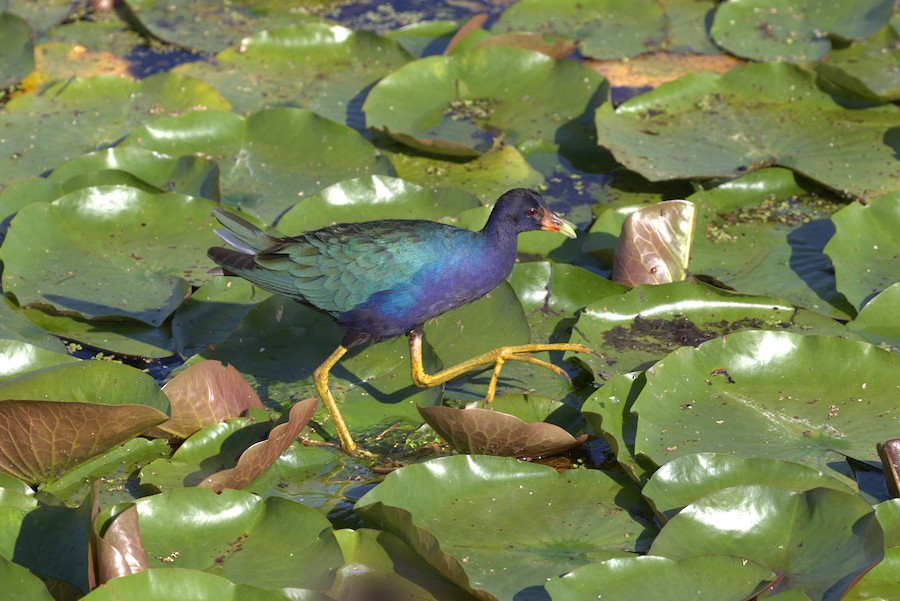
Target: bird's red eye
<point>531,212</point>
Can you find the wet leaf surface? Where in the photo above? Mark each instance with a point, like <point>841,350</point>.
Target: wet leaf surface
<point>120,550</point>
<point>655,244</point>
<point>206,393</point>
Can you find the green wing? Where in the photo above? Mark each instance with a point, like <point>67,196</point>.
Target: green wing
<point>337,268</point>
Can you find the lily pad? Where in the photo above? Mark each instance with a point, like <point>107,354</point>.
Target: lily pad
<point>322,67</point>
<point>188,175</point>
<point>128,338</point>
<point>42,15</point>
<point>374,197</point>
<point>163,584</point>
<point>465,104</point>
<point>256,459</point>
<point>606,29</point>
<point>142,271</point>
<point>706,126</point>
<point>688,478</point>
<point>42,440</point>
<point>655,244</point>
<point>206,393</point>
<point>16,49</point>
<point>120,550</point>
<point>764,233</point>
<point>488,432</point>
<point>866,67</point>
<point>456,512</point>
<point>635,329</point>
<point>794,30</point>
<point>820,541</point>
<point>879,321</point>
<point>17,358</point>
<point>236,534</point>
<point>19,581</point>
<point>813,399</point>
<point>211,28</point>
<point>865,248</point>
<point>487,176</point>
<point>84,114</point>
<point>269,160</point>
<point>710,577</point>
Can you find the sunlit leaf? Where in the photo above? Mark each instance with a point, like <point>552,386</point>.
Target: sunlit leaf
<point>879,320</point>
<point>17,358</point>
<point>164,584</point>
<point>206,393</point>
<point>820,541</point>
<point>655,244</point>
<point>120,550</point>
<point>456,512</point>
<point>41,440</point>
<point>21,584</point>
<point>16,49</point>
<point>488,432</point>
<point>263,454</point>
<point>705,126</point>
<point>866,67</point>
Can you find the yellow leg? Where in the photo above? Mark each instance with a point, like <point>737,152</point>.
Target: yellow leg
<point>320,378</point>
<point>497,357</point>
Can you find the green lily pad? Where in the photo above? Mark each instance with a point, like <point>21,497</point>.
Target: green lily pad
<point>688,478</point>
<point>42,15</point>
<point>456,512</point>
<point>879,321</point>
<point>655,244</point>
<point>337,67</point>
<point>376,558</point>
<point>212,312</point>
<point>21,583</point>
<point>710,577</point>
<point>880,582</point>
<point>142,271</point>
<point>763,233</point>
<point>130,338</point>
<point>188,175</point>
<point>487,176</point>
<point>866,67</point>
<point>90,113</point>
<point>608,411</point>
<point>211,28</point>
<point>14,325</point>
<point>794,30</point>
<point>269,160</point>
<point>820,541</point>
<point>424,38</point>
<point>371,198</point>
<point>465,104</point>
<point>705,126</point>
<point>17,358</point>
<point>16,49</point>
<point>606,29</point>
<point>88,382</point>
<point>865,248</point>
<point>635,329</point>
<point>163,584</point>
<point>813,399</point>
<point>241,537</point>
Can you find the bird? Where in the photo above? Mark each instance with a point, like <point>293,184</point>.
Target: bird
<point>384,279</point>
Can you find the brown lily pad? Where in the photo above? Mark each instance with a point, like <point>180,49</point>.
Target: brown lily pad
<point>207,393</point>
<point>120,551</point>
<point>655,244</point>
<point>255,460</point>
<point>42,440</point>
<point>487,432</point>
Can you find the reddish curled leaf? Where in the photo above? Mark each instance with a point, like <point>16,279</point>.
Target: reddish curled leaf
<point>120,551</point>
<point>655,244</point>
<point>207,393</point>
<point>488,432</point>
<point>260,456</point>
<point>42,440</point>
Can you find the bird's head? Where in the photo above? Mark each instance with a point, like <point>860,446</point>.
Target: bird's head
<point>521,210</point>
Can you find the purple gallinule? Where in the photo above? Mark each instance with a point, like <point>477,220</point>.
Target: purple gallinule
<point>382,279</point>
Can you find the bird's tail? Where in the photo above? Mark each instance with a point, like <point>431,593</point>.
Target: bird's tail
<point>242,234</point>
